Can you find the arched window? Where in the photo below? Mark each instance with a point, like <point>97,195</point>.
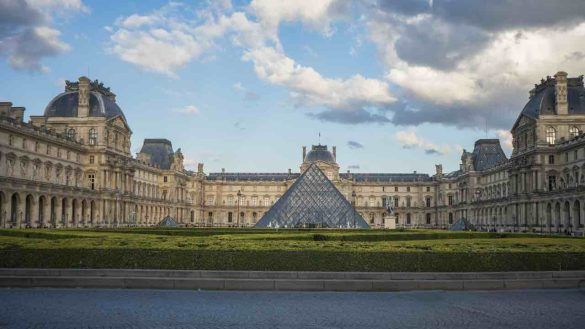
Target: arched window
<point>551,135</point>
<point>574,132</point>
<point>428,219</point>
<point>92,136</point>
<point>71,133</point>
<point>408,219</point>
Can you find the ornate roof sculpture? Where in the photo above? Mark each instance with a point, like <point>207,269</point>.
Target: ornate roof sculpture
<point>312,201</point>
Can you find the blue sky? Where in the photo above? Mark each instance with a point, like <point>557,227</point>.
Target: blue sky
<point>397,86</point>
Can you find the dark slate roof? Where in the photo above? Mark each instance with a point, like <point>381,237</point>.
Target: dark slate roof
<point>383,178</point>
<point>160,151</point>
<point>236,176</point>
<point>65,105</point>
<point>487,154</point>
<point>319,153</point>
<point>543,100</point>
<point>453,174</point>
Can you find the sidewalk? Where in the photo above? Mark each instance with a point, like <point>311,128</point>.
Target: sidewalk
<point>287,281</point>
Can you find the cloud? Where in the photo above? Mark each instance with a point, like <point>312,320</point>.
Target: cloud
<point>147,41</point>
<point>316,14</point>
<point>248,94</point>
<point>410,140</point>
<point>189,109</point>
<point>465,62</point>
<point>27,35</point>
<point>461,63</point>
<point>238,125</point>
<point>354,145</point>
<point>506,139</point>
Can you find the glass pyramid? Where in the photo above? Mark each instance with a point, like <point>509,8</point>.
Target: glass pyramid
<point>312,201</point>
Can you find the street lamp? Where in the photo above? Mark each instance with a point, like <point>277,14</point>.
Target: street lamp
<point>238,217</point>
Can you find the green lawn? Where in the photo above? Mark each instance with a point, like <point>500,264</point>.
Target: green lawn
<point>313,250</point>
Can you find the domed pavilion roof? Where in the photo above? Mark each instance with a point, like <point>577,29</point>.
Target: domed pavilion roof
<point>102,102</point>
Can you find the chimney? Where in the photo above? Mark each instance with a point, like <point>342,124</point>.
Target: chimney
<point>17,113</point>
<point>439,170</point>
<point>289,171</point>
<point>5,108</point>
<point>304,153</point>
<point>200,168</point>
<point>83,104</point>
<point>223,170</point>
<point>334,153</point>
<point>561,93</point>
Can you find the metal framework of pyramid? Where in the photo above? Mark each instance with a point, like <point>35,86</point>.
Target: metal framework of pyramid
<point>312,201</point>
<point>461,225</point>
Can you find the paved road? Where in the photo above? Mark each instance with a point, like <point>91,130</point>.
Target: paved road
<point>88,308</point>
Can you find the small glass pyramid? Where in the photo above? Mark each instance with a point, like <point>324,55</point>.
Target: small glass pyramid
<point>312,201</point>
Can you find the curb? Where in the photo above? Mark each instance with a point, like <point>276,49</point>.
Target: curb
<point>286,281</point>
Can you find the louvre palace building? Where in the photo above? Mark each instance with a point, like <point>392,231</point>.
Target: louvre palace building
<point>72,167</point>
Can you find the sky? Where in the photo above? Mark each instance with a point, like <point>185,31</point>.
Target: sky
<point>396,85</point>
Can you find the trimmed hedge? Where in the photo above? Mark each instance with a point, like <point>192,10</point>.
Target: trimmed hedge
<point>291,260</point>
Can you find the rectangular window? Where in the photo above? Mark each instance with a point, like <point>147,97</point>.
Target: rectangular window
<point>91,179</point>
<point>230,217</point>
<point>91,159</point>
<point>165,179</point>
<point>450,198</point>
<point>395,188</point>
<point>428,188</point>
<point>408,189</point>
<point>428,202</point>
<point>551,159</point>
<point>552,183</point>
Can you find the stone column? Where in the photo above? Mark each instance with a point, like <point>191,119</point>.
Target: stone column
<point>58,211</point>
<point>21,211</point>
<point>7,210</point>
<point>34,212</point>
<point>47,211</point>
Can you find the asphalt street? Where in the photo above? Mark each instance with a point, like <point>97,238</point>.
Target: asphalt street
<point>105,308</point>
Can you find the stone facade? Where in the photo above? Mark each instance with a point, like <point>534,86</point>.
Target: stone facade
<point>72,167</point>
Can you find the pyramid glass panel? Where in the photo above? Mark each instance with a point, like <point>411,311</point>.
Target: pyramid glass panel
<point>312,201</point>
